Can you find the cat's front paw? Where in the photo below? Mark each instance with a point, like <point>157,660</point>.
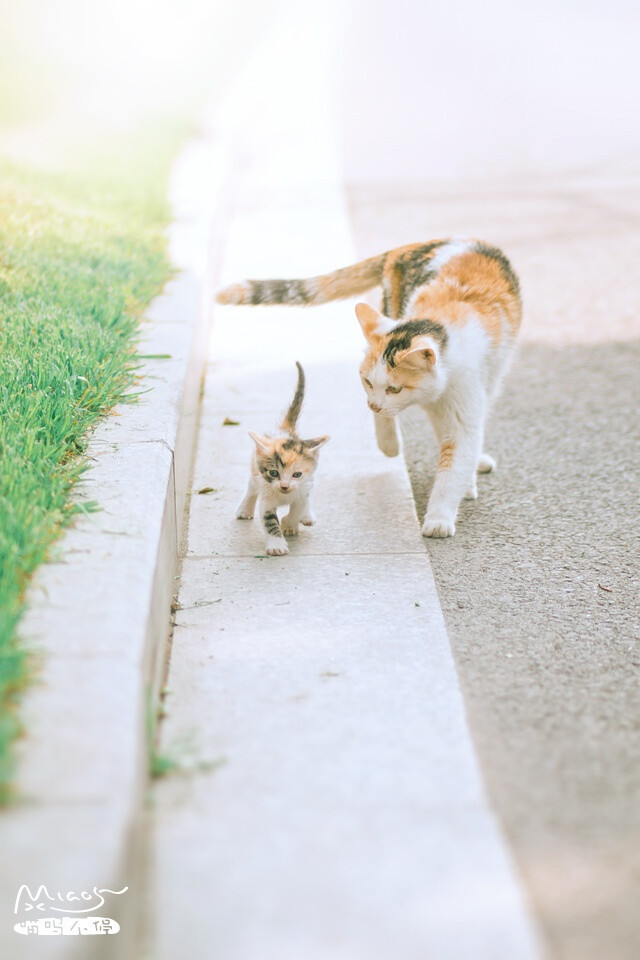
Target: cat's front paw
<point>390,446</point>
<point>289,529</point>
<point>276,547</point>
<point>387,436</point>
<point>243,513</point>
<point>438,526</point>
<point>308,519</point>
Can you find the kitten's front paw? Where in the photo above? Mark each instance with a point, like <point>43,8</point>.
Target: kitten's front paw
<point>472,491</point>
<point>308,520</point>
<point>289,529</point>
<point>244,514</point>
<point>435,526</point>
<point>276,547</point>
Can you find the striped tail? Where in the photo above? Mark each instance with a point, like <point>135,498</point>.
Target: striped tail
<point>291,416</point>
<point>347,282</point>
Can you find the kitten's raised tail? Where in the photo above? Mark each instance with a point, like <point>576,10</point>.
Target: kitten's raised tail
<point>291,416</point>
<point>348,282</point>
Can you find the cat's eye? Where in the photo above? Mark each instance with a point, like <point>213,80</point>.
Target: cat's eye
<point>394,389</point>
<point>368,382</point>
<point>297,474</point>
<point>273,473</point>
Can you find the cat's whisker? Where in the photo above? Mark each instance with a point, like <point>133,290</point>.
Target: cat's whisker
<point>409,429</point>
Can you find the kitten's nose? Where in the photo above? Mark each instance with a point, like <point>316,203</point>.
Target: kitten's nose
<point>375,407</point>
<point>284,487</point>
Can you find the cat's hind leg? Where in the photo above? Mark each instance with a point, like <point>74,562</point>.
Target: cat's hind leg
<point>472,490</point>
<point>486,463</point>
<point>387,435</point>
<point>460,432</point>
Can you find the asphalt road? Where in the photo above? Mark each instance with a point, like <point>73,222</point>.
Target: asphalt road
<point>540,584</point>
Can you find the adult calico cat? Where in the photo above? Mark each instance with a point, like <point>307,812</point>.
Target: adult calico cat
<point>451,310</point>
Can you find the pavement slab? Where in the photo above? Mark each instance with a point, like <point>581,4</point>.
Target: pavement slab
<point>327,803</point>
<point>539,587</point>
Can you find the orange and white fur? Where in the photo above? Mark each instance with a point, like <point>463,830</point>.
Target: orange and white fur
<point>282,470</point>
<point>451,310</point>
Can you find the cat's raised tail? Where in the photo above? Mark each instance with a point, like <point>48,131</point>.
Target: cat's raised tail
<point>348,282</point>
<point>290,419</point>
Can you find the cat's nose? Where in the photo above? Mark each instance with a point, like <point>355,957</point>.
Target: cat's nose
<point>375,406</point>
<point>284,487</point>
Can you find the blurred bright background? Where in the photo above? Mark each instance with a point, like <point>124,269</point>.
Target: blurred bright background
<point>357,92</point>
<point>419,90</point>
<point>75,71</point>
<point>473,89</point>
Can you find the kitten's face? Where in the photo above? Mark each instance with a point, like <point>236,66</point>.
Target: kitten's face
<point>286,464</point>
<point>400,365</point>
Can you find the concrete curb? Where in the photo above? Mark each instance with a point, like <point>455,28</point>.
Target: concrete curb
<point>99,611</point>
<point>338,809</point>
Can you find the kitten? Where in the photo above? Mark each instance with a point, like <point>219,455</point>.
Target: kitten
<point>282,470</point>
<point>451,310</point>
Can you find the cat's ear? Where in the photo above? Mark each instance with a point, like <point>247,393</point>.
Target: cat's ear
<point>421,353</point>
<point>314,444</point>
<point>262,443</point>
<point>374,325</point>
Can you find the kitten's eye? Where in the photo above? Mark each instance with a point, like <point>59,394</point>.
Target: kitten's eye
<point>368,382</point>
<point>394,389</point>
<point>273,473</point>
<point>297,474</point>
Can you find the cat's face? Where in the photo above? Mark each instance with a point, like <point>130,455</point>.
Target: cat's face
<point>285,463</point>
<point>401,365</point>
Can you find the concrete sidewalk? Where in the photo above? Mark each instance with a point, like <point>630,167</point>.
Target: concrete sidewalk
<point>344,815</point>
<point>539,587</point>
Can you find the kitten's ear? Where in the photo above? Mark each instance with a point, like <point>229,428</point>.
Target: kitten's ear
<point>262,443</point>
<point>421,353</point>
<point>374,325</point>
<point>315,443</point>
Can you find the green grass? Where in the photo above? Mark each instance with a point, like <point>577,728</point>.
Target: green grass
<point>82,253</point>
